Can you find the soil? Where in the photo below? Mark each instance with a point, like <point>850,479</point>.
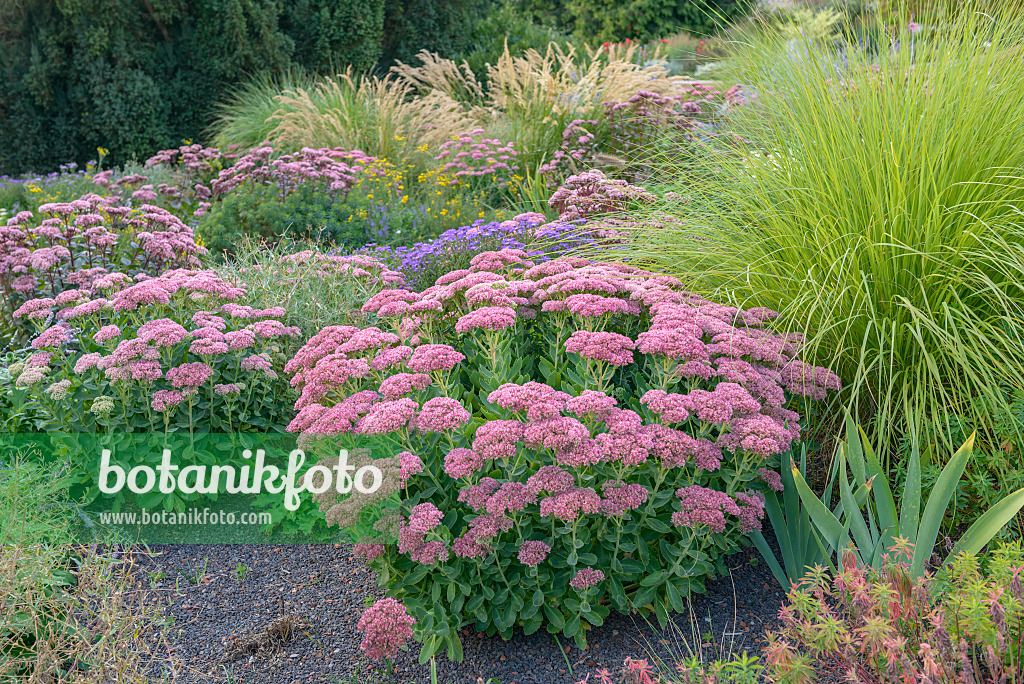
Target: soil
<point>287,615</point>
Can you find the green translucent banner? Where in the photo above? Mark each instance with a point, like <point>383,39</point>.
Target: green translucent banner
<point>194,488</point>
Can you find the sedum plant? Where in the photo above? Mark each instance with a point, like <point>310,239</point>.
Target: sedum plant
<point>68,244</point>
<point>129,363</point>
<point>557,440</point>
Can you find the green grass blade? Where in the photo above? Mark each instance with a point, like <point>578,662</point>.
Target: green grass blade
<point>910,506</point>
<point>761,544</point>
<point>935,509</point>
<point>864,540</point>
<point>834,531</point>
<point>988,525</point>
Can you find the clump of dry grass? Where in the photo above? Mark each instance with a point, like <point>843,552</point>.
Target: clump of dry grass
<point>274,634</point>
<point>68,613</point>
<point>437,74</point>
<point>561,81</point>
<point>383,117</point>
<point>527,99</point>
<point>77,615</point>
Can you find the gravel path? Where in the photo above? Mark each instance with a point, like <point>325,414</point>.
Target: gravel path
<point>219,595</point>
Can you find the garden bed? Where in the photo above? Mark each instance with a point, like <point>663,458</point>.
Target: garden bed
<point>219,594</point>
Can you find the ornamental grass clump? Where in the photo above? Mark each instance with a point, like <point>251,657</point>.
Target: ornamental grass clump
<point>315,288</point>
<point>558,440</point>
<point>873,197</point>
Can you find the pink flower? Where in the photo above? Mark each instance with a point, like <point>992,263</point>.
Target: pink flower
<point>54,336</point>
<point>386,626</point>
<point>255,362</point>
<point>440,414</point>
<point>462,462</point>
<point>497,439</point>
<point>403,383</point>
<point>536,399</point>
<point>586,578</point>
<point>189,374</point>
<point>368,551</point>
<point>165,400</point>
<point>760,434</point>
<point>386,358</point>
<point>620,498</point>
<point>590,402</point>
<point>409,465</point>
<point>675,448</point>
<point>671,408</point>
<point>425,517</point>
<point>467,547</point>
<point>602,346</point>
<point>771,478</point>
<point>511,497</point>
<point>367,339</point>
<point>486,527</point>
<point>751,505</point>
<point>587,305</point>
<point>533,553</point>
<point>428,358</point>
<point>476,496</point>
<point>240,339</point>
<point>551,479</point>
<point>162,332</point>
<point>86,362</point>
<point>703,506</point>
<point>429,553</point>
<point>487,318</point>
<point>387,416</point>
<point>562,435</point>
<point>569,505</point>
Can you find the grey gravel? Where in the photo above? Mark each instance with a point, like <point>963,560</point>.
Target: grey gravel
<point>217,594</point>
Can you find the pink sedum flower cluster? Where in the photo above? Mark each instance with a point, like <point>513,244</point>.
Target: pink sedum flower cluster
<point>386,626</point>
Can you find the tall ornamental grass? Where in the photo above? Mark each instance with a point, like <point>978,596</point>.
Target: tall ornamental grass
<point>873,196</point>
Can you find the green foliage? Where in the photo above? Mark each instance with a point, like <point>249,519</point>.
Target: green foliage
<point>135,76</point>
<point>995,470</point>
<point>606,20</point>
<point>310,213</point>
<point>801,545</point>
<point>17,414</point>
<point>442,26</point>
<point>242,116</point>
<point>258,211</point>
<point>328,33</point>
<point>64,610</point>
<point>870,535</point>
<point>125,75</point>
<point>871,204</point>
<point>292,275</point>
<point>507,24</point>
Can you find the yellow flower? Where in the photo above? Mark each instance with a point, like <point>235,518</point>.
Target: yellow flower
<point>102,151</point>
<point>422,148</point>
